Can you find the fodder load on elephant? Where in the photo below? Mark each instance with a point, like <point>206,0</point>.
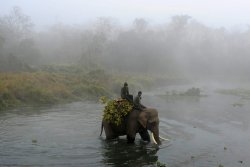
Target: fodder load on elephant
<point>115,110</point>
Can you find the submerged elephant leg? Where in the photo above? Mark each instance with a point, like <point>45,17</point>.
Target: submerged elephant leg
<point>131,133</point>
<point>130,139</point>
<point>144,135</point>
<point>108,131</point>
<point>132,127</point>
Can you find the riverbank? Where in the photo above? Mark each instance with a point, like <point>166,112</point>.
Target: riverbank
<point>61,84</point>
<point>31,88</point>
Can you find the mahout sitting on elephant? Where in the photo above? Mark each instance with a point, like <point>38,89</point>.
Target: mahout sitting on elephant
<point>125,93</point>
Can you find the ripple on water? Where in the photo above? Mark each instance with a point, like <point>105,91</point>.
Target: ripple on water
<point>68,135</point>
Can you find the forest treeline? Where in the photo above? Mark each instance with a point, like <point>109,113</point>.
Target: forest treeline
<point>182,46</point>
<point>60,62</point>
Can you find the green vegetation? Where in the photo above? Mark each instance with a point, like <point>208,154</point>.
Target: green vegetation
<point>115,110</point>
<point>54,84</point>
<point>191,93</point>
<point>237,104</point>
<point>49,87</point>
<point>159,164</point>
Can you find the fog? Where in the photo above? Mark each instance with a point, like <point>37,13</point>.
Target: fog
<point>182,46</point>
<point>51,79</point>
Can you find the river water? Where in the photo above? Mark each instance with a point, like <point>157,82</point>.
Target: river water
<point>204,132</point>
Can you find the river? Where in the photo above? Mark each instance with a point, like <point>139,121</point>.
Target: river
<point>204,132</point>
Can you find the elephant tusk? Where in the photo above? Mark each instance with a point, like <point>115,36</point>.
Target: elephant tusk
<point>153,138</point>
<point>163,138</point>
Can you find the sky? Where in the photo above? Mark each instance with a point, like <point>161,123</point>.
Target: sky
<point>213,13</point>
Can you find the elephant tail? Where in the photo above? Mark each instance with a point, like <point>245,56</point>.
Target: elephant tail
<point>101,129</point>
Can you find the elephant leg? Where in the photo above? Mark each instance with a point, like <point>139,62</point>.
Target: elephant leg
<point>131,132</point>
<point>108,131</point>
<point>130,139</point>
<point>144,135</point>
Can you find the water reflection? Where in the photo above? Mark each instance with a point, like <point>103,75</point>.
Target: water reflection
<point>66,135</point>
<point>118,153</point>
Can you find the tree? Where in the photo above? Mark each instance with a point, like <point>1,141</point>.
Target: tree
<point>95,40</point>
<point>140,24</point>
<point>16,24</point>
<point>15,30</point>
<point>1,45</point>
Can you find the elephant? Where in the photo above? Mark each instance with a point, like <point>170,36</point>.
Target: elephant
<point>135,122</point>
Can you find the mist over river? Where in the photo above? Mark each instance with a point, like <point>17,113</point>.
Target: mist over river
<point>205,131</point>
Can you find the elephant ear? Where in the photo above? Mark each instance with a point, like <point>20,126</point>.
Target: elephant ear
<point>152,115</point>
<point>143,119</point>
<point>148,115</point>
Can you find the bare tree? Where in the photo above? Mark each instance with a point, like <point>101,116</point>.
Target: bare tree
<point>16,24</point>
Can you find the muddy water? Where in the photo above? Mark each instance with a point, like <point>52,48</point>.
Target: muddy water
<point>203,132</point>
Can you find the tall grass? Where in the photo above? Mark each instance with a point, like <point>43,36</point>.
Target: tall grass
<point>47,88</point>
<point>63,83</point>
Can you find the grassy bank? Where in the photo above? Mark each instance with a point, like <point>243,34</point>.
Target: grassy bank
<point>44,87</point>
<point>60,84</point>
